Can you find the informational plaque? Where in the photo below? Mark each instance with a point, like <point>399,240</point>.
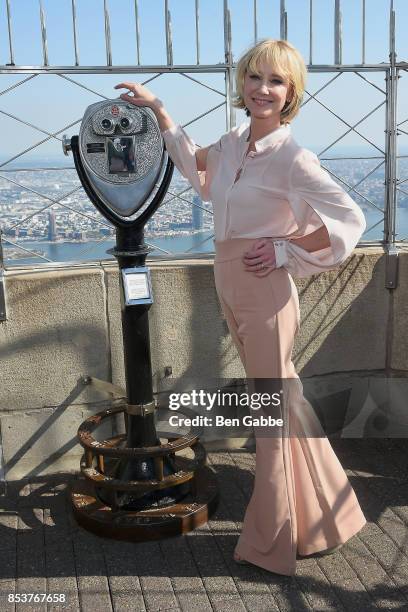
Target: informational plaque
<point>137,285</point>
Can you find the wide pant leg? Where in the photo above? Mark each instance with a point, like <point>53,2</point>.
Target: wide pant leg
<point>302,500</point>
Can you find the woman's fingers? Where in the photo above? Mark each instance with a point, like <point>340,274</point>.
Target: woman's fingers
<point>265,272</point>
<point>252,259</point>
<point>254,256</point>
<point>259,244</point>
<point>132,99</point>
<point>135,87</point>
<point>262,245</point>
<point>256,260</point>
<point>258,266</point>
<point>266,265</point>
<point>126,85</point>
<point>141,95</point>
<point>260,259</point>
<point>131,87</point>
<point>259,263</point>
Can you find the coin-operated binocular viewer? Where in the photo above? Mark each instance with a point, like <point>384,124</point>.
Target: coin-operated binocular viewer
<point>134,487</point>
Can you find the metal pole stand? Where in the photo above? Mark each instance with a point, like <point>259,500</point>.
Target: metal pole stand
<point>135,487</point>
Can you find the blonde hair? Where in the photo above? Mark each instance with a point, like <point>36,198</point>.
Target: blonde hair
<point>286,61</point>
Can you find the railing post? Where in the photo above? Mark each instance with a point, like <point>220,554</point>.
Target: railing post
<point>74,32</point>
<point>3,313</point>
<point>229,75</point>
<point>391,281</point>
<point>310,32</point>
<point>283,21</point>
<point>43,34</point>
<point>197,29</point>
<point>137,28</point>
<point>338,33</point>
<point>10,33</point>
<point>255,22</point>
<point>363,31</point>
<point>108,45</point>
<point>169,36</point>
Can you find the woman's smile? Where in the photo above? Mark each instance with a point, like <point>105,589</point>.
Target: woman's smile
<point>262,101</point>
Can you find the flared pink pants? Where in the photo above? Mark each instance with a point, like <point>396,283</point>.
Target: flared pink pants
<point>302,501</point>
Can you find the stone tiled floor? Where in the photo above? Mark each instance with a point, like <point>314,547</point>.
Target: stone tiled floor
<point>42,550</point>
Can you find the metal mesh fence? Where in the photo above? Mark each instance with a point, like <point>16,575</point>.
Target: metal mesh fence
<point>45,215</point>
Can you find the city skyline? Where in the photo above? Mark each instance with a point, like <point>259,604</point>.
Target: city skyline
<point>17,202</point>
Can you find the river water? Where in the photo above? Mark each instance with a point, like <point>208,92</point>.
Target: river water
<point>195,243</point>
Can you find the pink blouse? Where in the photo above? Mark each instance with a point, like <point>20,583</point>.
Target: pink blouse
<point>281,192</point>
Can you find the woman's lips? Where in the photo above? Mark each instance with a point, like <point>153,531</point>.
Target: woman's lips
<point>261,102</point>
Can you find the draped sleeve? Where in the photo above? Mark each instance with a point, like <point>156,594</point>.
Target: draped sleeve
<point>181,149</point>
<point>313,192</point>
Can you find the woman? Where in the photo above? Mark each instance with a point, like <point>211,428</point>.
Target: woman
<point>277,215</point>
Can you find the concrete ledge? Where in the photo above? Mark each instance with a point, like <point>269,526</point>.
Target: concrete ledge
<point>42,441</point>
<point>64,323</point>
<point>344,316</point>
<point>55,332</point>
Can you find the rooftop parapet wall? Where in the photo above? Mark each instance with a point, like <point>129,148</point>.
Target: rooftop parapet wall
<point>64,324</point>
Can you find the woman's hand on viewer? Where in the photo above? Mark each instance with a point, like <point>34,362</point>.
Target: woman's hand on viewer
<point>141,96</point>
<point>260,259</point>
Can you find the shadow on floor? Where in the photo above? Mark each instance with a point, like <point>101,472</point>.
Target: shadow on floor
<point>44,550</point>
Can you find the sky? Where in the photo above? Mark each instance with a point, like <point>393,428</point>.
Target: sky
<point>52,102</point>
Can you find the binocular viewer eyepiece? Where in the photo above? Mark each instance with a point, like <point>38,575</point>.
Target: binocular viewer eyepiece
<point>119,156</point>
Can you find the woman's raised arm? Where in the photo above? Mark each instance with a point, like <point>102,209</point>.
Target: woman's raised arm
<point>141,96</point>
<point>190,159</point>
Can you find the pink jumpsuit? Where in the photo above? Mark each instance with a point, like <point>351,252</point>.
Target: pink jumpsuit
<point>302,501</point>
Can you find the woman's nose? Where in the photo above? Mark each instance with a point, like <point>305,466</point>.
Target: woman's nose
<point>264,86</point>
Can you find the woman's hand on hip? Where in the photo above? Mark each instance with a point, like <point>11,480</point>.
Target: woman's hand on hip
<point>260,259</point>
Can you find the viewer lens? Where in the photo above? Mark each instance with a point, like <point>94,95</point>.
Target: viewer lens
<point>106,124</point>
<point>124,122</point>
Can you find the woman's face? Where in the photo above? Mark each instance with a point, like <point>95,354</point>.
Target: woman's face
<point>265,95</point>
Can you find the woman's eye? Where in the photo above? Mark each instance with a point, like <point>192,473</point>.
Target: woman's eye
<point>257,77</point>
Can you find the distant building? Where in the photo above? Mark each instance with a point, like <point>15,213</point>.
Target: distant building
<point>197,213</point>
<point>105,231</point>
<point>52,226</point>
<point>180,225</point>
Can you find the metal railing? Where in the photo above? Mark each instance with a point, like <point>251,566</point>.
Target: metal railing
<point>391,69</point>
